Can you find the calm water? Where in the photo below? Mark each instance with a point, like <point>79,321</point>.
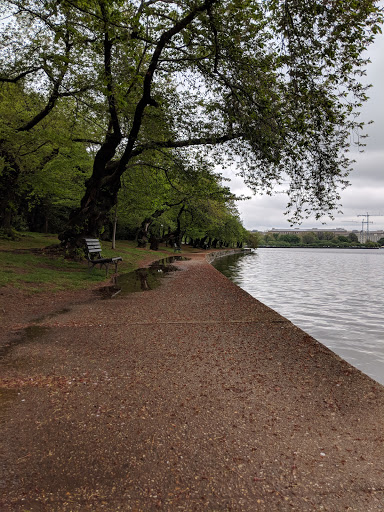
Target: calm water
<point>336,295</point>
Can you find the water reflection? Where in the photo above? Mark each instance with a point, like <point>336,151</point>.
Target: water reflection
<point>335,295</point>
<point>142,279</point>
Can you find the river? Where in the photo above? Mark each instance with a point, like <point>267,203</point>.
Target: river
<point>335,295</point>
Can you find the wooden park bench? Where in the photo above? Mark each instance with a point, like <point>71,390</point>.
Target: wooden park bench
<point>94,255</point>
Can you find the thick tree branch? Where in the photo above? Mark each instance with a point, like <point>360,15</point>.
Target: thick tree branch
<point>43,113</point>
<point>19,77</point>
<point>108,75</point>
<point>138,67</point>
<point>146,96</point>
<point>34,150</point>
<point>55,91</point>
<point>197,141</point>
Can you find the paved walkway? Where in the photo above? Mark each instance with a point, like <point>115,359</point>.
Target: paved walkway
<point>190,397</point>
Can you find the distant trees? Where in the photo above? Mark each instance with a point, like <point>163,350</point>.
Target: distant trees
<point>309,238</point>
<point>167,199</point>
<point>253,239</point>
<point>352,237</point>
<point>291,239</point>
<point>371,244</point>
<point>314,239</point>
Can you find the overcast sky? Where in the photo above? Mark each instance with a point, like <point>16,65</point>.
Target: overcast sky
<point>366,193</point>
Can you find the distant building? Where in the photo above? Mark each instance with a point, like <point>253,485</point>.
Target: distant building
<point>371,236</point>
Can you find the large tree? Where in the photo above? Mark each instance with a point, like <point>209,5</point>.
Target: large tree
<point>272,86</point>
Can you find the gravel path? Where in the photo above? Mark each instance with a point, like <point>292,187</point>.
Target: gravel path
<point>190,397</point>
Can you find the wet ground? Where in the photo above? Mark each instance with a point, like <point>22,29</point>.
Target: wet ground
<point>192,396</point>
<point>142,279</point>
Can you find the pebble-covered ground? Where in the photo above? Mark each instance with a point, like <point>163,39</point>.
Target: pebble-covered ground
<point>190,397</point>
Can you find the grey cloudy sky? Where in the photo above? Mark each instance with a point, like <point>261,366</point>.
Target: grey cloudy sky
<point>366,193</point>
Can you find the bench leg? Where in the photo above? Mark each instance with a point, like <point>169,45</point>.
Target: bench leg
<point>102,265</point>
<point>91,266</point>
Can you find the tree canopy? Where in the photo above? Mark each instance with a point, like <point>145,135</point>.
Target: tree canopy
<point>269,86</point>
<point>171,200</point>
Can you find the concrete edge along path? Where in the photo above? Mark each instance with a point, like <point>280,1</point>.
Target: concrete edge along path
<point>190,397</point>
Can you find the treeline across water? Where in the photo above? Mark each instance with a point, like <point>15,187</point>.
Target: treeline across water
<point>321,239</point>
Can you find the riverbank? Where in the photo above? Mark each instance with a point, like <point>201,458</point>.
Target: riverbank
<point>193,396</point>
<point>334,295</point>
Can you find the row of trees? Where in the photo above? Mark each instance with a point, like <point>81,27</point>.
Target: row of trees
<point>43,175</point>
<point>170,202</point>
<point>320,239</point>
<point>100,95</point>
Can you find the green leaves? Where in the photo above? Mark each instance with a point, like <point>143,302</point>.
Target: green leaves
<point>279,81</point>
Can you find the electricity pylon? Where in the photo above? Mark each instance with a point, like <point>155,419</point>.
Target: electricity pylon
<point>367,222</point>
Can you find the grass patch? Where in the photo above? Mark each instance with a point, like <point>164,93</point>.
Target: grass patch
<point>29,240</point>
<point>23,267</point>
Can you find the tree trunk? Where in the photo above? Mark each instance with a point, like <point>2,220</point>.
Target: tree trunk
<point>114,228</point>
<point>203,244</point>
<point>88,220</point>
<point>154,241</point>
<point>9,197</point>
<point>143,234</point>
<point>100,197</point>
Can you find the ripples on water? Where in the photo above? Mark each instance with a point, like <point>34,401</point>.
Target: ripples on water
<point>336,295</point>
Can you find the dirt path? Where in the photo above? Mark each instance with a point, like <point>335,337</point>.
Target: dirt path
<point>192,397</point>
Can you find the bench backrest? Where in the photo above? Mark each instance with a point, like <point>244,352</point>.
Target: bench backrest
<point>93,245</point>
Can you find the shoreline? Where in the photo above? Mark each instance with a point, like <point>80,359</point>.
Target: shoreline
<point>333,315</point>
<point>193,396</point>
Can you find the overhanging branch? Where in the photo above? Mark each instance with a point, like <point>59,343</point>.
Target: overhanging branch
<point>55,94</point>
<point>145,99</point>
<point>20,76</point>
<point>197,141</point>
